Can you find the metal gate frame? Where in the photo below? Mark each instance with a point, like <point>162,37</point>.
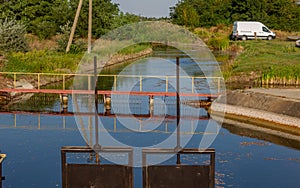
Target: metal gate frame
<point>2,157</point>
<point>153,151</point>
<point>87,149</point>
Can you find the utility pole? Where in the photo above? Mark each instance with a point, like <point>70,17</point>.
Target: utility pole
<point>75,24</point>
<point>90,26</point>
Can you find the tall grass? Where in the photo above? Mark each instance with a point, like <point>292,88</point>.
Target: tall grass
<point>273,62</point>
<point>44,61</point>
<point>135,48</point>
<point>216,38</point>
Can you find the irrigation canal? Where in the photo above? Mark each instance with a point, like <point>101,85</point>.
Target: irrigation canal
<point>34,131</point>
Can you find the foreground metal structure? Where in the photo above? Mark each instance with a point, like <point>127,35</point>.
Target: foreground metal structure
<point>2,157</point>
<point>112,175</point>
<point>179,175</point>
<point>96,175</point>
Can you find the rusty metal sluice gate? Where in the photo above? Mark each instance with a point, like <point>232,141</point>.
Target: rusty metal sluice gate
<point>113,175</point>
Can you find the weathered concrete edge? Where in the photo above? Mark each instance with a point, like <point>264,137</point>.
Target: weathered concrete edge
<point>257,117</point>
<point>119,58</point>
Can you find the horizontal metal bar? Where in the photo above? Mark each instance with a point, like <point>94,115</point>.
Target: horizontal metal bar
<point>87,149</point>
<point>105,75</point>
<point>182,151</point>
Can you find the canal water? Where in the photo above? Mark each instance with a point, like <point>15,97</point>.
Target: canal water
<point>33,132</point>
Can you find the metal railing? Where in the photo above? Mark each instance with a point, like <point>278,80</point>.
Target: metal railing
<point>61,77</point>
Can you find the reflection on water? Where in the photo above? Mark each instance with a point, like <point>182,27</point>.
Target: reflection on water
<point>246,160</point>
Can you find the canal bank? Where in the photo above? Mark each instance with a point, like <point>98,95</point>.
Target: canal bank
<point>277,109</point>
<point>31,81</point>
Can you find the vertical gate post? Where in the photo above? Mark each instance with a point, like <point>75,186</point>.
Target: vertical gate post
<point>2,157</point>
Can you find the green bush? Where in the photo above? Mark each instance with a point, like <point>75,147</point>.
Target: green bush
<point>218,43</point>
<point>77,47</point>
<point>63,39</point>
<point>43,29</point>
<point>12,36</point>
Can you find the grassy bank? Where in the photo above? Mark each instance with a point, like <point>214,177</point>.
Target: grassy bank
<point>46,60</point>
<point>41,61</point>
<point>268,62</point>
<point>275,62</point>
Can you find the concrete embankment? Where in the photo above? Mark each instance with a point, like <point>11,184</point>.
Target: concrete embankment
<point>273,108</point>
<point>119,58</point>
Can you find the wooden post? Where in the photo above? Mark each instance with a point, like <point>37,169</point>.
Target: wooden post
<point>74,26</point>
<point>90,26</point>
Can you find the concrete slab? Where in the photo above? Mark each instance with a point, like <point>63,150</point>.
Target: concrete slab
<point>285,93</point>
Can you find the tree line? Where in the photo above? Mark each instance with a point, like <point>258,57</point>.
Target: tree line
<point>44,18</point>
<point>277,14</point>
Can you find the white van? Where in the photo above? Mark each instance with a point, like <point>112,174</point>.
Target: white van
<point>251,30</point>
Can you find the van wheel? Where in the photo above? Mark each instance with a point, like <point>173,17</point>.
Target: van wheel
<point>244,37</point>
<point>269,38</point>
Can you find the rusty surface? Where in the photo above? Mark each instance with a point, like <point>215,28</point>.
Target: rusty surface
<point>97,175</point>
<point>176,176</point>
<point>192,176</point>
<point>108,92</point>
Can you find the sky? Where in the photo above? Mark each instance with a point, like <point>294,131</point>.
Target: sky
<point>147,8</point>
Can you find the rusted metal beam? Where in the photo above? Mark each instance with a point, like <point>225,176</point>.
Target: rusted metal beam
<point>108,92</point>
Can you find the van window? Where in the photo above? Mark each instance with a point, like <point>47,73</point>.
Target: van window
<point>266,30</point>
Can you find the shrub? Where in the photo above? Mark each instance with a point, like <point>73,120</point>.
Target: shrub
<point>218,43</point>
<point>77,47</point>
<point>12,35</point>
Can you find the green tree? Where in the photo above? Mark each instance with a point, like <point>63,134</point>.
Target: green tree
<point>104,13</point>
<point>283,15</point>
<point>44,17</point>
<point>36,14</point>
<point>185,14</point>
<point>277,14</point>
<point>208,12</point>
